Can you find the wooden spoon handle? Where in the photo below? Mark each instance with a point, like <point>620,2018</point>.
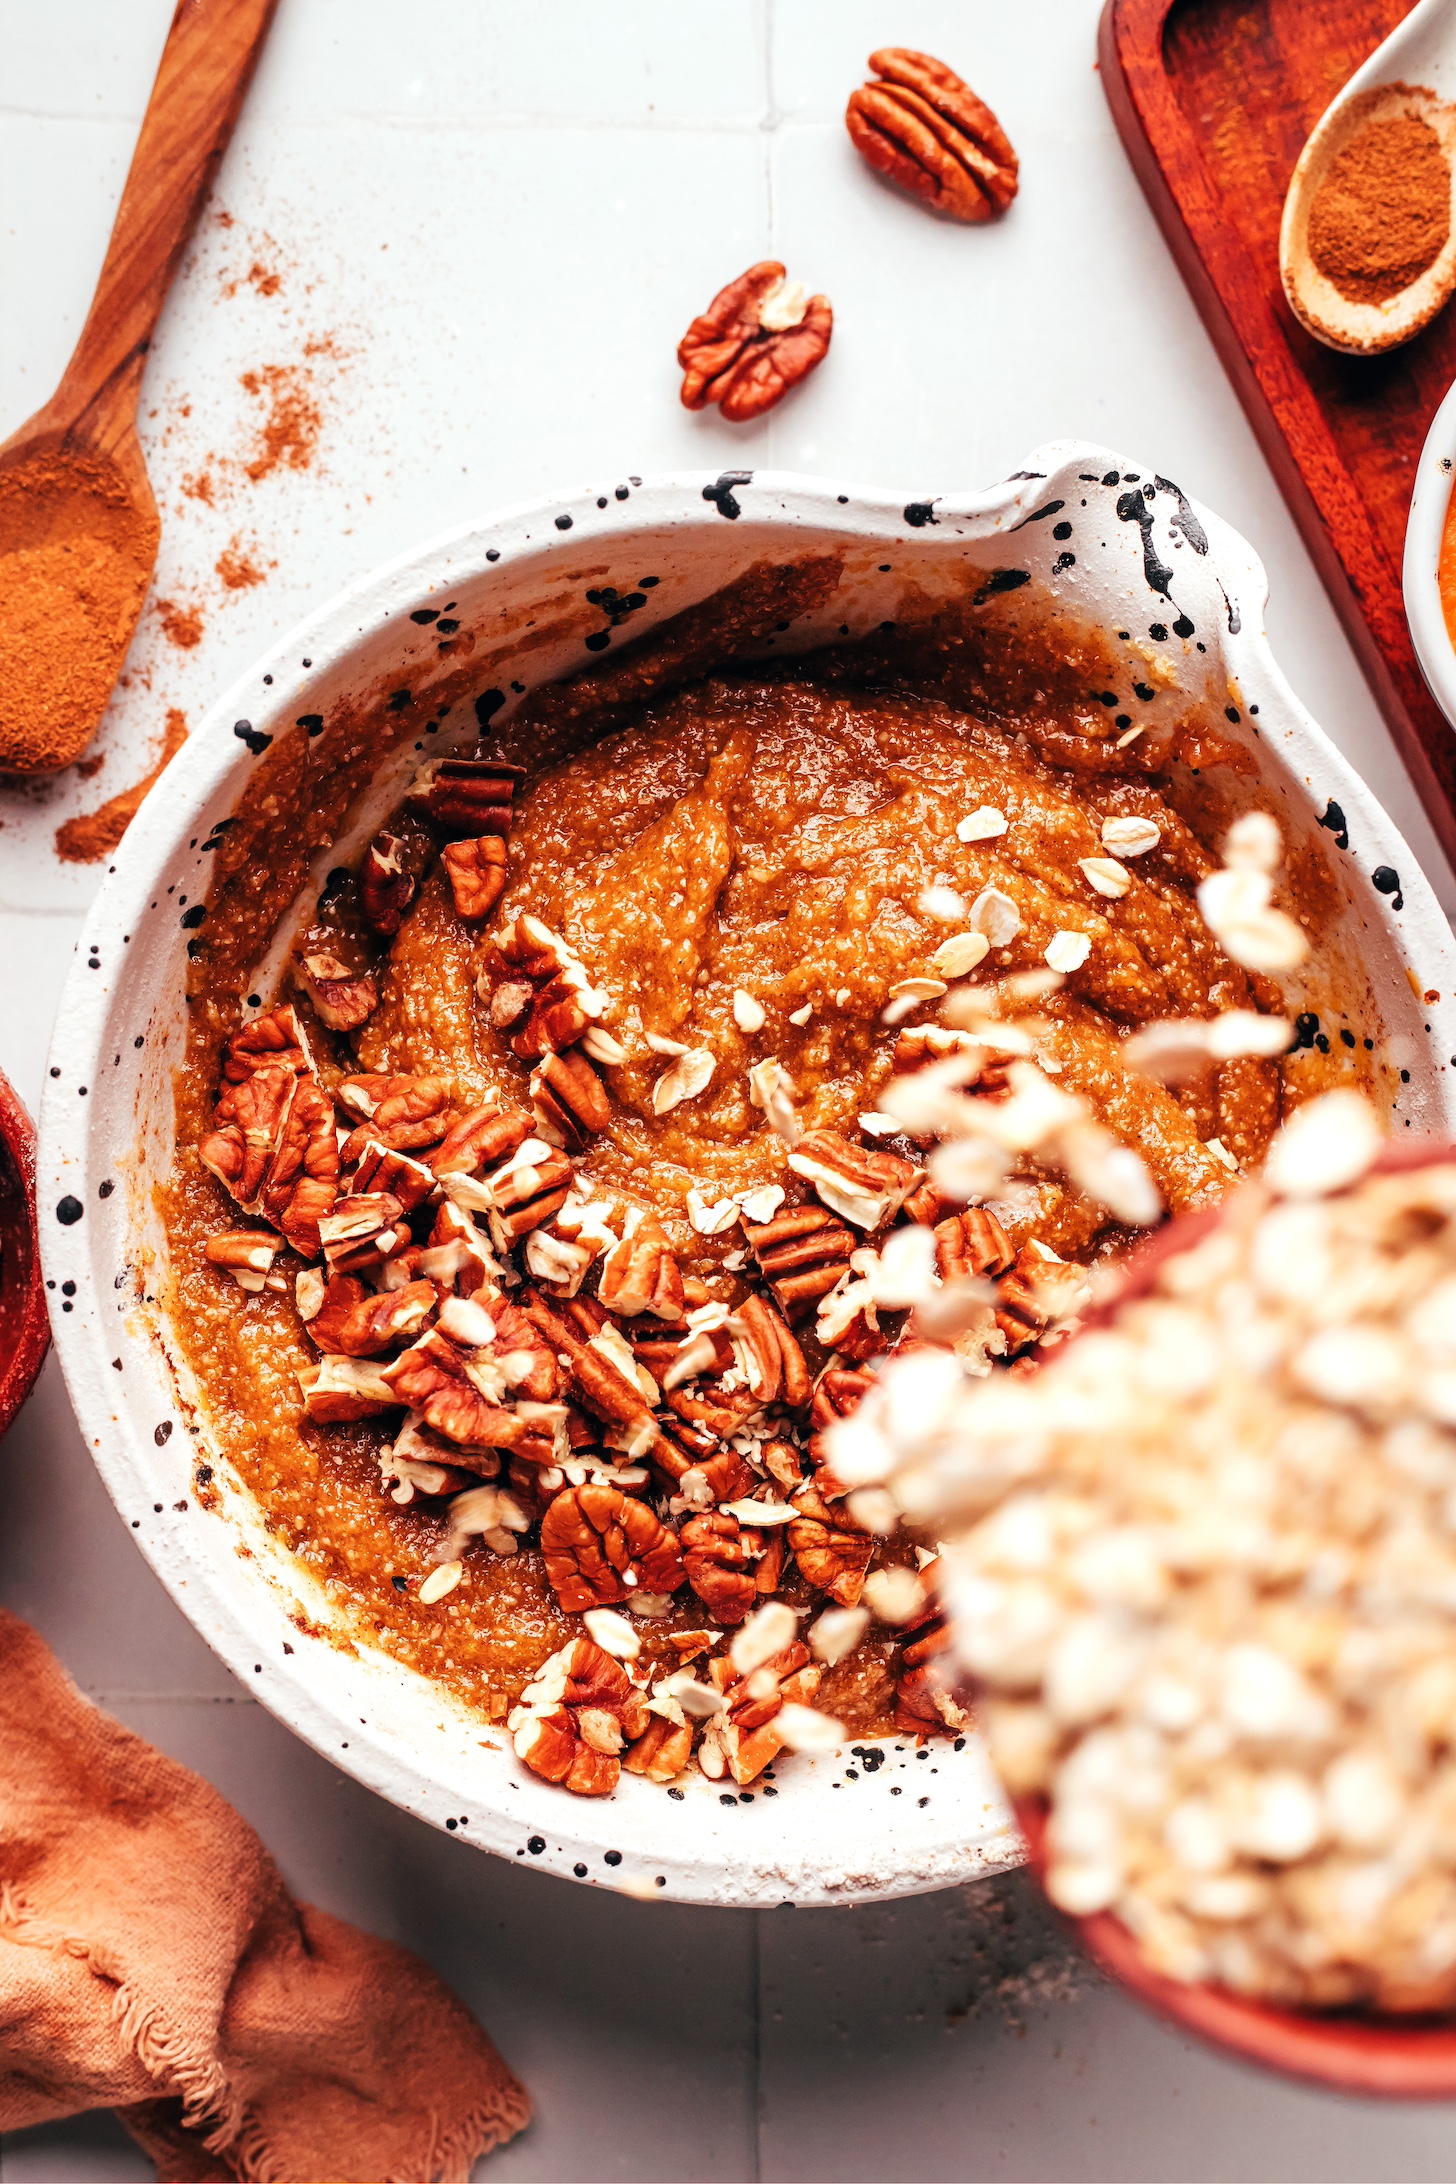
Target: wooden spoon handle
<point>207,63</point>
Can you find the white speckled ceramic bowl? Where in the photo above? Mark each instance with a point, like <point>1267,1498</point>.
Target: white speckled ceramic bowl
<point>1121,547</point>
<point>1430,499</point>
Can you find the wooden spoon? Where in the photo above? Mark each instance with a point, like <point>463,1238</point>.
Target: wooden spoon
<point>78,523</point>
<point>1414,73</point>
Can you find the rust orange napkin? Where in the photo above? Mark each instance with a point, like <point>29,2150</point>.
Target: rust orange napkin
<point>152,1961</point>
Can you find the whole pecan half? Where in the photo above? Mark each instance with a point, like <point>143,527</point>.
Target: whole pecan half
<point>831,1551</point>
<point>538,991</point>
<point>719,1562</point>
<point>481,1139</point>
<point>469,795</point>
<point>640,1274</point>
<point>246,1254</point>
<point>240,1151</point>
<point>802,1254</point>
<point>456,1256</point>
<point>386,889</point>
<point>600,1545</point>
<point>476,870</point>
<point>599,1385</point>
<point>568,1100</point>
<point>925,130</point>
<point>972,1242</point>
<point>576,1716</point>
<point>758,338</point>
<point>303,1181</point>
<point>526,1191</point>
<point>344,999</point>
<point>380,1168</point>
<point>865,1187</point>
<point>702,1470</point>
<point>363,1229</point>
<point>780,1374</point>
<point>401,1112</point>
<point>274,1041</point>
<point>354,1323</point>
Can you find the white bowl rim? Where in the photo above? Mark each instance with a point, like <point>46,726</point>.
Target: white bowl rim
<point>885,1861</point>
<point>1430,499</point>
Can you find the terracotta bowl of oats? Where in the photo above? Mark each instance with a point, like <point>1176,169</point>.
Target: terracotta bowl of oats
<point>485,1184</point>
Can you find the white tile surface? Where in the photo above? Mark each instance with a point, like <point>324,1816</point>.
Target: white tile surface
<point>504,212</point>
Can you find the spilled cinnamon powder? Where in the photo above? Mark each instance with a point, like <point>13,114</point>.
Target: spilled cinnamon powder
<point>289,432</point>
<point>237,568</point>
<point>93,835</point>
<point>181,626</point>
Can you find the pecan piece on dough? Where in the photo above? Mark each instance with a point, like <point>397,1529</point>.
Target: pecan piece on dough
<point>274,1041</point>
<point>603,1371</point>
<point>758,338</point>
<point>404,1113</point>
<point>719,1562</point>
<point>434,1377</point>
<point>481,1139</point>
<point>924,1708</point>
<point>476,870</point>
<point>664,1747</point>
<point>925,130</point>
<point>469,795</point>
<point>380,1168</point>
<point>538,991</point>
<point>457,1256</point>
<point>568,1100</point>
<point>534,1184</point>
<point>862,1186</point>
<point>339,1390</point>
<point>830,1549</point>
<point>240,1151</point>
<point>386,889</point>
<point>246,1254</point>
<point>344,999</point>
<point>1039,1293</point>
<point>363,1229</point>
<point>600,1545</point>
<point>802,1254</point>
<point>778,1373</point>
<point>837,1394</point>
<point>641,1274</point>
<point>747,1739</point>
<point>575,1718</point>
<point>972,1242</point>
<point>699,1467</point>
<point>352,1322</point>
<point>303,1182</point>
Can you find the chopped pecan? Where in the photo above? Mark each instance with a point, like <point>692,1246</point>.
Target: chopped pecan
<point>344,999</point>
<point>922,1043</point>
<point>663,1749</point>
<point>469,795</point>
<point>558,1257</point>
<point>539,991</point>
<point>404,1113</point>
<point>274,1041</point>
<point>381,1168</point>
<point>924,1708</point>
<point>758,338</point>
<point>972,1242</point>
<point>768,1574</point>
<point>568,1100</point>
<point>864,1186</point>
<point>748,1739</point>
<point>925,130</point>
<point>476,869</point>
<point>719,1562</point>
<point>802,1253</point>
<point>699,1467</point>
<point>240,1151</point>
<point>533,1185</point>
<point>481,1139</point>
<point>576,1716</point>
<point>717,1411</point>
<point>386,889</point>
<point>424,1462</point>
<point>456,1256</point>
<point>339,1390</point>
<point>837,1393</point>
<point>600,1546</point>
<point>778,1373</point>
<point>780,1459</point>
<point>247,1254</point>
<point>438,1379</point>
<point>926,1206</point>
<point>640,1274</point>
<point>1040,1292</point>
<point>361,1230</point>
<point>355,1323</point>
<point>831,1551</point>
<point>603,1386</point>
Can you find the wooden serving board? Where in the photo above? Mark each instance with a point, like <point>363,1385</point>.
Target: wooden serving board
<point>1214,100</point>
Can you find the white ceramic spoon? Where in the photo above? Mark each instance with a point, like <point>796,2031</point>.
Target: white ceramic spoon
<point>1413,72</point>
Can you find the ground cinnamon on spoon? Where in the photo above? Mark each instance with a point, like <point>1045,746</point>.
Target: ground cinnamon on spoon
<point>1381,216</point>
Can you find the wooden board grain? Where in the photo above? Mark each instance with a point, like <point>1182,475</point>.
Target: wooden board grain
<point>1213,100</point>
